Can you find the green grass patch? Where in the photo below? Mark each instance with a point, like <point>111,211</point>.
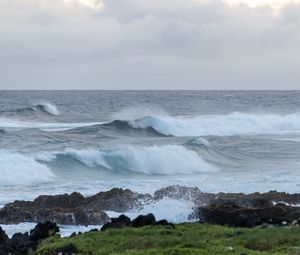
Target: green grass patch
<point>186,239</point>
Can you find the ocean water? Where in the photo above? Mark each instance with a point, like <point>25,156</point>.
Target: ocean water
<point>53,142</point>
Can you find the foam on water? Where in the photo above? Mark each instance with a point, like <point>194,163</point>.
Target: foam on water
<point>153,160</point>
<point>221,125</point>
<point>17,169</point>
<point>9,123</point>
<point>175,211</point>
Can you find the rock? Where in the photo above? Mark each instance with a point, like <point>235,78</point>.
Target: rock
<point>3,237</point>
<point>235,215</point>
<point>143,220</point>
<point>164,223</point>
<point>23,244</point>
<point>72,209</point>
<point>120,222</point>
<point>117,200</point>
<point>19,241</point>
<point>178,192</point>
<point>75,209</point>
<point>43,230</point>
<point>68,249</point>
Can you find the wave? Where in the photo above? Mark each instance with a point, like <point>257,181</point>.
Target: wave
<point>205,125</point>
<point>18,169</point>
<point>32,110</point>
<point>47,108</point>
<point>154,160</point>
<point>116,127</point>
<point>9,123</point>
<point>220,125</point>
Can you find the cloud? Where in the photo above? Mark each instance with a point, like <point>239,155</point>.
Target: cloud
<point>140,44</point>
<point>94,4</point>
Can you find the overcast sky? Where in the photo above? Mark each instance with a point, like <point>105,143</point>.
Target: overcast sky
<point>149,44</point>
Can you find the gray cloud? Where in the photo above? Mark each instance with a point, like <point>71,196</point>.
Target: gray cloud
<point>138,44</point>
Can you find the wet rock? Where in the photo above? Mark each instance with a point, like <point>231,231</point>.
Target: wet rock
<point>235,215</point>
<point>75,209</point>
<point>178,192</point>
<point>118,200</point>
<point>79,216</point>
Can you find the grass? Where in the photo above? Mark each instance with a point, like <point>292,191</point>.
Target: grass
<point>186,239</point>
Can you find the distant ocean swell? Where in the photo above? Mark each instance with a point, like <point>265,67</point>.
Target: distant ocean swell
<point>204,125</point>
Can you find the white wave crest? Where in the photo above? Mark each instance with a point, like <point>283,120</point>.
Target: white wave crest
<point>18,169</point>
<point>49,108</point>
<point>222,125</point>
<point>173,210</point>
<point>9,123</point>
<point>154,160</point>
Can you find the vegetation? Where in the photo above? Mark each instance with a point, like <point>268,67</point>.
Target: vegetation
<point>185,239</point>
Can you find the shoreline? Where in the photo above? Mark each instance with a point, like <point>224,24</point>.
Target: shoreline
<point>217,215</point>
<point>75,209</point>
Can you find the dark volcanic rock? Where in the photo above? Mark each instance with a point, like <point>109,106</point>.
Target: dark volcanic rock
<point>3,237</point>
<point>68,249</point>
<point>178,192</point>
<point>43,230</point>
<point>72,209</point>
<point>235,215</point>
<point>143,220</point>
<point>121,222</point>
<point>118,200</point>
<point>75,209</point>
<point>21,244</point>
<point>11,214</point>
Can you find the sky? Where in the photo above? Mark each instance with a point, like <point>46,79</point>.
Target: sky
<point>149,44</point>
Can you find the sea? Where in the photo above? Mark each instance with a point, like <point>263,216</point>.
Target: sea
<point>55,142</point>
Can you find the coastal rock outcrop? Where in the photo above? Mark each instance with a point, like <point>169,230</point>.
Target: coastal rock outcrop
<point>141,221</point>
<point>73,209</point>
<point>239,216</point>
<point>26,243</point>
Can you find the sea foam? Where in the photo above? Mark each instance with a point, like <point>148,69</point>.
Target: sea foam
<point>221,125</point>
<point>18,169</point>
<point>152,160</point>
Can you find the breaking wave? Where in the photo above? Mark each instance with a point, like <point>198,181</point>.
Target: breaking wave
<point>220,125</point>
<point>42,108</point>
<point>154,160</point>
<point>47,108</point>
<point>18,169</point>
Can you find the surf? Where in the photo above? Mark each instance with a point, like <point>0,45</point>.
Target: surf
<point>145,160</point>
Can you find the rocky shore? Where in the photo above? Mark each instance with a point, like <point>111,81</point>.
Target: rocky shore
<point>244,210</point>
<point>234,210</point>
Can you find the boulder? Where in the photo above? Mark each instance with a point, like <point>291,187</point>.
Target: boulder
<point>3,237</point>
<point>23,244</point>
<point>143,220</point>
<point>43,230</point>
<point>121,222</point>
